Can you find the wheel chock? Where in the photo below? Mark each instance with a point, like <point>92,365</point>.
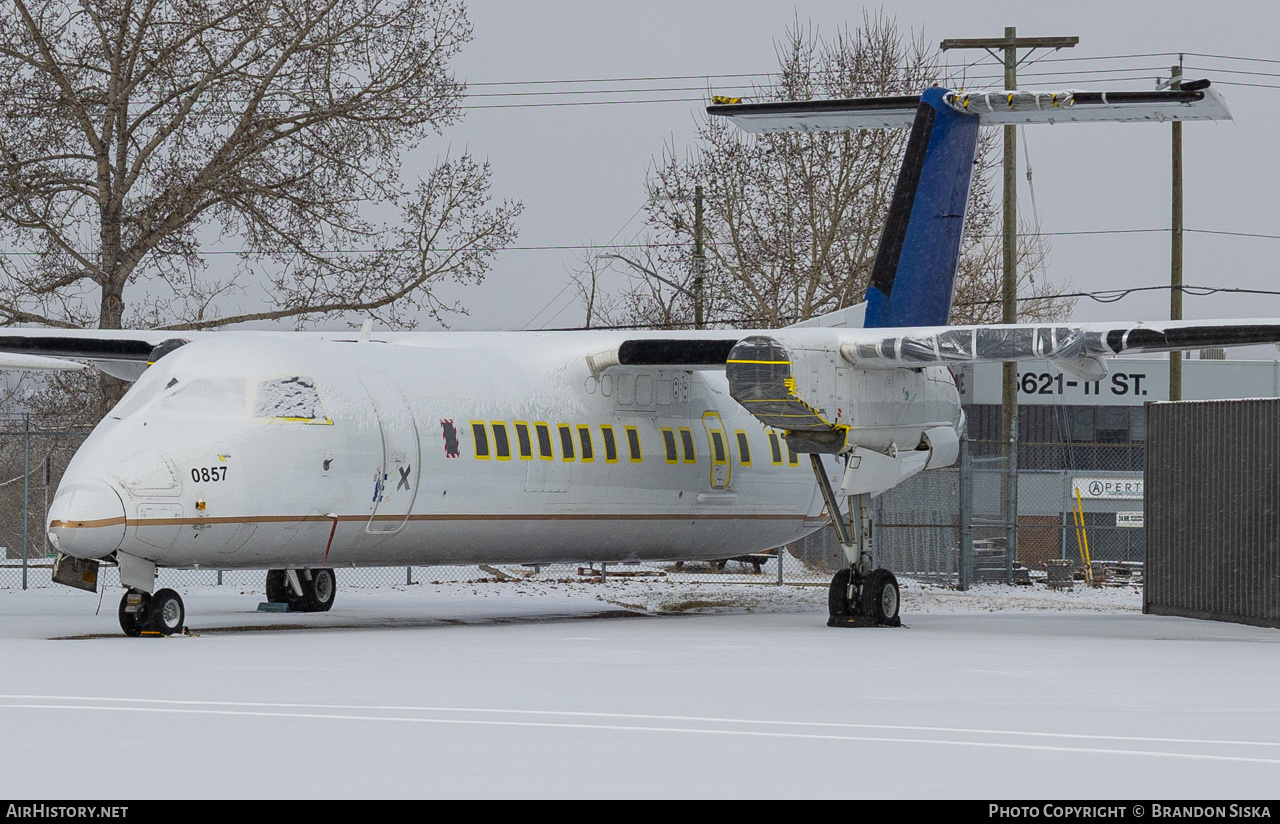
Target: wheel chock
<point>846,621</point>
<point>272,606</point>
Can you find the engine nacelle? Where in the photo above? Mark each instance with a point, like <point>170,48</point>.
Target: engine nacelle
<point>943,445</point>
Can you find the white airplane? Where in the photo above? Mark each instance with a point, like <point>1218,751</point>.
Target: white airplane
<point>302,452</point>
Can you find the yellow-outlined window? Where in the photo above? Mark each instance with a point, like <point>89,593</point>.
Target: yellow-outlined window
<point>669,441</point>
<point>523,442</point>
<point>480,437</point>
<point>543,430</point>
<point>718,453</point>
<point>501,441</point>
<point>775,449</point>
<point>686,440</point>
<point>633,444</point>
<point>588,452</point>
<point>744,447</point>
<point>610,443</point>
<point>793,457</point>
<point>566,441</point>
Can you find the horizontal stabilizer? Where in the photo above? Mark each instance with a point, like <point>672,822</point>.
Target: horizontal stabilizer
<point>996,108</point>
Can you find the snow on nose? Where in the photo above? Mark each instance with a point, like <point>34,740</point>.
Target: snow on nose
<point>86,520</point>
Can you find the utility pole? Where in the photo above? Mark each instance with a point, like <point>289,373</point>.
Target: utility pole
<point>1175,250</point>
<point>699,259</point>
<point>1005,50</point>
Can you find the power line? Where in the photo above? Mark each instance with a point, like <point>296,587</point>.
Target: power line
<point>1113,295</point>
<point>591,246</point>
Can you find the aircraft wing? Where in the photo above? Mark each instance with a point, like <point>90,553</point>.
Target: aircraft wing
<point>122,353</point>
<point>1075,348</point>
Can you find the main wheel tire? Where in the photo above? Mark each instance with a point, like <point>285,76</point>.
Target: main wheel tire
<point>277,587</point>
<point>838,604</point>
<point>166,613</point>
<point>881,599</point>
<point>320,590</point>
<point>133,622</point>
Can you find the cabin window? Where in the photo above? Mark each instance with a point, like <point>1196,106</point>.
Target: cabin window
<point>480,437</point>
<point>544,441</point>
<point>584,438</point>
<point>450,433</point>
<point>717,446</point>
<point>501,444</point>
<point>633,444</point>
<point>669,441</point>
<point>293,398</point>
<point>775,448</point>
<point>744,448</point>
<point>523,441</point>
<point>566,441</point>
<point>610,444</point>
<point>686,440</point>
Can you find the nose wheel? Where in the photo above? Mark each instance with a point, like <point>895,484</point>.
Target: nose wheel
<point>159,613</point>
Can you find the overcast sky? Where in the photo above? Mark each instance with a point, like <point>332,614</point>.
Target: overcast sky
<point>580,169</point>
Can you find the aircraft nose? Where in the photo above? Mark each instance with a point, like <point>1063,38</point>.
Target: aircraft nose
<point>86,520</point>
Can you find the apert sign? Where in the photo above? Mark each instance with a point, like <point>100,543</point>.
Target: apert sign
<point>1107,488</point>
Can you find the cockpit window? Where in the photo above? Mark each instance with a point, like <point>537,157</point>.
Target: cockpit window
<point>293,398</point>
<point>217,397</point>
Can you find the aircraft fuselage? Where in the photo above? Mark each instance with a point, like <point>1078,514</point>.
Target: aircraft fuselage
<point>451,448</point>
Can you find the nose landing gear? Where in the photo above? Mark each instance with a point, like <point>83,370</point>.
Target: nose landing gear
<point>158,613</point>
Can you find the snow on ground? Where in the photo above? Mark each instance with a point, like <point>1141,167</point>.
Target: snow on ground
<point>664,598</point>
<point>635,688</point>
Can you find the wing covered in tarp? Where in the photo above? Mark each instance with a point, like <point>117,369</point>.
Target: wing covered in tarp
<point>1075,348</point>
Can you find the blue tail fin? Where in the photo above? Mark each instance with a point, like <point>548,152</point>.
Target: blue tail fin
<point>914,274</point>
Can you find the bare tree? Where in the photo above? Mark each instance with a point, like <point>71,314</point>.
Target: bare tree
<point>792,220</point>
<point>137,134</point>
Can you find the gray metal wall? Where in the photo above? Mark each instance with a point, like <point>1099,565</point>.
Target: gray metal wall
<point>1212,507</point>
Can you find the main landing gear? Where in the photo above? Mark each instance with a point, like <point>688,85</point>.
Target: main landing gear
<point>860,596</point>
<point>157,613</point>
<point>304,590</point>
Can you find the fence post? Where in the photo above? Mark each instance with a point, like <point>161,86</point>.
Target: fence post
<point>44,531</point>
<point>1011,502</point>
<point>26,491</point>
<point>966,516</point>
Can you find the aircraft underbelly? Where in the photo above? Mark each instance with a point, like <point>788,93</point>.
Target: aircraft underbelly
<point>500,539</point>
